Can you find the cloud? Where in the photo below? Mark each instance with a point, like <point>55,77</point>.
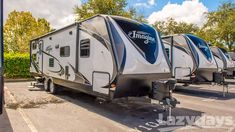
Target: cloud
<point>147,4</point>
<point>189,11</point>
<point>58,12</point>
<point>142,5</point>
<point>151,2</point>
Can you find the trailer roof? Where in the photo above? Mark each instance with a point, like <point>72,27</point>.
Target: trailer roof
<point>55,31</point>
<point>76,23</point>
<point>60,29</point>
<point>176,35</point>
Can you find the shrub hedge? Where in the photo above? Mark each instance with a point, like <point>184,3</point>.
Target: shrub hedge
<point>16,65</point>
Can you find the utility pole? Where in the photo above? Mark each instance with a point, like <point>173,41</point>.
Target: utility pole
<point>1,58</point>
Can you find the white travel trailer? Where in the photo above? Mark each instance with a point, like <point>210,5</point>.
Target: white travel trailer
<point>180,56</point>
<point>223,59</point>
<point>105,56</point>
<point>232,55</point>
<point>218,57</point>
<point>191,59</point>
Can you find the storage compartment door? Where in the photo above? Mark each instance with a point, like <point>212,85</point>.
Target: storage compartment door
<point>182,73</point>
<point>101,82</point>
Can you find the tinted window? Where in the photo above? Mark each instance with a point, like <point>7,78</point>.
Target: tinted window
<point>96,25</point>
<point>85,48</point>
<point>202,46</point>
<point>65,51</point>
<point>143,37</point>
<point>40,44</point>
<point>34,45</point>
<point>34,57</point>
<point>167,52</point>
<point>51,62</point>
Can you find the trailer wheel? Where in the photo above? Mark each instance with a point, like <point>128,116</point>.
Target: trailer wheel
<point>52,87</point>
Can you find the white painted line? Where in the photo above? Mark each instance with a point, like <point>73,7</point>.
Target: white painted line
<point>22,113</point>
<point>180,128</point>
<point>210,99</point>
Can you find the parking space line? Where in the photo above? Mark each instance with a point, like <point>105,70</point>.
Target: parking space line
<point>21,111</point>
<point>210,99</point>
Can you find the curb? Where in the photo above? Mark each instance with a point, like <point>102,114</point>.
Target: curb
<point>19,80</point>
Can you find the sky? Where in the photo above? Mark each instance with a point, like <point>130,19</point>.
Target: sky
<point>60,12</point>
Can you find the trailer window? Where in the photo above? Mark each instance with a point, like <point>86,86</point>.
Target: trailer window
<point>85,48</point>
<point>34,57</point>
<point>34,45</point>
<point>65,51</point>
<point>51,62</point>
<point>167,52</point>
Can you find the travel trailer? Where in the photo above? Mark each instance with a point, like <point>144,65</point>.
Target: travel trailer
<point>105,56</point>
<point>232,55</point>
<point>191,59</point>
<point>223,59</point>
<point>181,58</point>
<point>218,57</point>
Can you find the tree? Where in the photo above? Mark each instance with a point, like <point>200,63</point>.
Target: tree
<point>20,28</point>
<point>219,29</point>
<point>172,27</point>
<point>109,7</point>
<point>220,26</point>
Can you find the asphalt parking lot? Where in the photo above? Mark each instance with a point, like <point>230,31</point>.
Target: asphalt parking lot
<point>202,108</point>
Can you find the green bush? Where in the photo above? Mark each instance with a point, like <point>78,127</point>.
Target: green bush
<point>16,65</point>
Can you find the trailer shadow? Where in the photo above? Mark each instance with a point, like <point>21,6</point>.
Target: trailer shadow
<point>199,91</point>
<point>138,115</point>
<point>230,82</point>
<point>5,124</point>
